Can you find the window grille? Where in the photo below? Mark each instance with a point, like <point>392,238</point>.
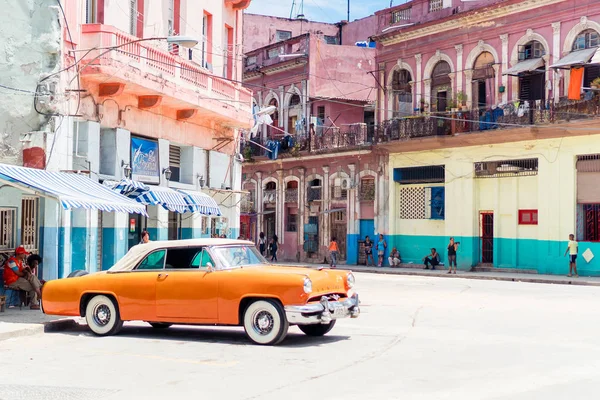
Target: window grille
<point>427,174</point>
<point>367,189</point>
<point>273,53</point>
<point>331,39</point>
<point>506,168</point>
<point>251,60</point>
<point>435,5</point>
<point>401,15</point>
<point>422,203</point>
<point>174,162</point>
<point>283,35</point>
<point>291,225</point>
<point>29,223</point>
<point>7,228</point>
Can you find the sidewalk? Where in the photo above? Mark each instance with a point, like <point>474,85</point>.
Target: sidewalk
<point>416,270</point>
<point>17,323</point>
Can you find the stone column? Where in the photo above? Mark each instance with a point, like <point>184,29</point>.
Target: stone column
<point>427,94</point>
<point>504,40</point>
<point>419,73</point>
<point>496,84</point>
<point>469,88</point>
<point>259,203</point>
<point>352,218</point>
<point>326,200</point>
<point>555,58</point>
<point>383,104</point>
<point>280,206</point>
<point>459,68</point>
<point>301,209</point>
<point>548,81</point>
<point>281,106</point>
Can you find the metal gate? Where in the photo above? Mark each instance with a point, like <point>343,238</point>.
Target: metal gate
<point>486,232</point>
<point>339,229</point>
<point>29,223</point>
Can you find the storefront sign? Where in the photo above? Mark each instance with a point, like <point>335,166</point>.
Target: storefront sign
<point>144,157</point>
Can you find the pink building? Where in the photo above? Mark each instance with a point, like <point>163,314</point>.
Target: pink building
<point>321,179</point>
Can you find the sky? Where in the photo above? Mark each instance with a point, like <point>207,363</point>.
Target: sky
<point>321,10</point>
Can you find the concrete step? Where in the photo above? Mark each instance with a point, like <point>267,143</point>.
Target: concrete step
<point>507,270</point>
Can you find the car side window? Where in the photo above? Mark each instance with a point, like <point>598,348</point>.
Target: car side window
<point>186,258</point>
<point>154,260</point>
<point>202,259</point>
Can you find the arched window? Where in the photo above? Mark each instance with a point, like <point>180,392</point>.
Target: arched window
<point>294,100</point>
<point>483,67</point>
<point>533,49</point>
<point>483,80</point>
<point>271,186</point>
<point>586,40</point>
<point>292,185</point>
<point>440,86</point>
<point>401,93</point>
<point>275,116</point>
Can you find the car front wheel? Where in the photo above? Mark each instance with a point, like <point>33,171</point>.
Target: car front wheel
<point>317,329</point>
<point>265,322</point>
<point>102,316</point>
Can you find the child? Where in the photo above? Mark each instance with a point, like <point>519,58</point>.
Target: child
<point>572,249</point>
<point>333,252</point>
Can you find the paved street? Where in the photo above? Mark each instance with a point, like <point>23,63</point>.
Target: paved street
<point>418,338</point>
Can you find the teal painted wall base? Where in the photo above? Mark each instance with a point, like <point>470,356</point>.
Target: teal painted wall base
<point>352,249</point>
<point>543,256</point>
<point>113,246</point>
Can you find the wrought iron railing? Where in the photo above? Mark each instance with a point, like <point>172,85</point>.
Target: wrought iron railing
<point>313,194</point>
<point>367,190</point>
<point>291,195</point>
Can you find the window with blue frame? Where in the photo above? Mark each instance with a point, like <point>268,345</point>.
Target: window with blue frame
<point>437,203</point>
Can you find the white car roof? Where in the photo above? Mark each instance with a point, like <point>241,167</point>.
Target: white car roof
<point>136,253</point>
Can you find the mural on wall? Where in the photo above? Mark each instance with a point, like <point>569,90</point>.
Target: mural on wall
<point>144,157</point>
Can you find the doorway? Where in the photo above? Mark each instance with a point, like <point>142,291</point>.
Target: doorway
<point>174,227</point>
<point>269,226</point>
<point>339,230</point>
<point>486,231</point>
<point>137,224</point>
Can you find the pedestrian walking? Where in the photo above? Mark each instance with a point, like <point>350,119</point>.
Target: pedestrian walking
<point>273,247</point>
<point>369,250</point>
<point>381,246</point>
<point>334,251</point>
<point>262,243</point>
<point>452,247</point>
<point>572,249</point>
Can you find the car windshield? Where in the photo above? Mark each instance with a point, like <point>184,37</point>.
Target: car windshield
<point>237,256</point>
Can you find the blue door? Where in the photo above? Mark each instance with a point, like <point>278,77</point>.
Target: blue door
<point>367,227</point>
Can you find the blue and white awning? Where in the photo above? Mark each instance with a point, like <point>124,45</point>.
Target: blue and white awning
<point>201,203</point>
<point>130,188</point>
<point>169,199</point>
<point>71,190</point>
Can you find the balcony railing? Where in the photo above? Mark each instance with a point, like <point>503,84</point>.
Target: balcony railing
<point>270,196</point>
<point>471,121</point>
<point>150,58</point>
<point>367,190</point>
<point>247,206</point>
<point>291,195</point>
<point>313,194</point>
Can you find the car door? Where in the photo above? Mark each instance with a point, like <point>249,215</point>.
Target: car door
<point>136,289</point>
<point>187,291</point>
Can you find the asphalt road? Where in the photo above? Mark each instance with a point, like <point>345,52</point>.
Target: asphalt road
<point>417,338</point>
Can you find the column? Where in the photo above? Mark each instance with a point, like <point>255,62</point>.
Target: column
<point>469,88</point>
<point>56,236</point>
<point>382,103</point>
<point>115,242</point>
<point>281,100</point>
<point>496,84</point>
<point>301,209</point>
<point>459,68</point>
<point>325,199</point>
<point>419,59</point>
<point>80,241</point>
<point>259,203</point>
<point>280,207</point>
<point>504,40</point>
<point>427,94</point>
<point>555,57</point>
<point>158,223</point>
<point>352,217</point>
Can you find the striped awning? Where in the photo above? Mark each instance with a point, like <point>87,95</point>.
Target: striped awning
<point>168,198</point>
<point>201,203</point>
<point>129,188</point>
<point>71,190</point>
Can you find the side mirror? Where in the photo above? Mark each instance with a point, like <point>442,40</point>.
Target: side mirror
<point>209,267</point>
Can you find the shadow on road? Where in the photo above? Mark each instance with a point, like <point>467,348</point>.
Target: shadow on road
<point>202,334</point>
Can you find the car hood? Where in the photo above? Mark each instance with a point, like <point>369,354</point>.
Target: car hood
<point>323,281</point>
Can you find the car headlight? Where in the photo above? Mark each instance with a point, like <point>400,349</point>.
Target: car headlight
<point>307,285</point>
<point>350,280</point>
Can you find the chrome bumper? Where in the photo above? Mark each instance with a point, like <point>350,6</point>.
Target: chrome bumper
<point>323,312</point>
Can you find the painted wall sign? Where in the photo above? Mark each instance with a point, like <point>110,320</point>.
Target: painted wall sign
<point>144,157</point>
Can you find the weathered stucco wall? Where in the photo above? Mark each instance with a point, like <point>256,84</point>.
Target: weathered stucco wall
<point>30,50</point>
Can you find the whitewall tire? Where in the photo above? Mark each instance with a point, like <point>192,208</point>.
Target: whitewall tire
<point>265,322</point>
<point>102,316</point>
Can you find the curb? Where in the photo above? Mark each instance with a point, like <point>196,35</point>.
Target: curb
<point>22,329</point>
<point>482,277</point>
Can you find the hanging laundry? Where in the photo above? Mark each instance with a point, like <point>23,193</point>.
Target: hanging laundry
<point>575,83</point>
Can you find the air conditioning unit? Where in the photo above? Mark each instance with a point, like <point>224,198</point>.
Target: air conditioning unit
<point>346,183</point>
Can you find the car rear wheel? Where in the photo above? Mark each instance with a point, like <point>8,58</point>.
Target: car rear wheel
<point>265,322</point>
<point>160,325</point>
<point>102,316</point>
<point>317,329</point>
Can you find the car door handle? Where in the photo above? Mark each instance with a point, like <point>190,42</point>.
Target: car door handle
<point>161,275</point>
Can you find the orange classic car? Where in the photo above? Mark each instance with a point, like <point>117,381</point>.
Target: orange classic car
<point>205,282</point>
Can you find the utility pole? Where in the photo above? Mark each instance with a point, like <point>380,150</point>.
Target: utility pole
<point>348,11</point>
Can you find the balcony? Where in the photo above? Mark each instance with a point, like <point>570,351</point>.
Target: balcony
<point>268,56</point>
<point>313,194</point>
<point>511,121</point>
<point>247,205</point>
<point>160,77</point>
<point>270,197</point>
<point>322,140</point>
<point>291,195</point>
<point>367,190</point>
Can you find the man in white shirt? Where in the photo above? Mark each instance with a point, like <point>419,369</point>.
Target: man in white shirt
<point>572,249</point>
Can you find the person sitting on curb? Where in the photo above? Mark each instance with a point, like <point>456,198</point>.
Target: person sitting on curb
<point>19,277</point>
<point>394,258</point>
<point>432,259</point>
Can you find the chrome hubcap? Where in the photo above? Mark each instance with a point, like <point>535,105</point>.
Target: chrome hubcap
<point>102,314</point>
<point>263,322</point>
